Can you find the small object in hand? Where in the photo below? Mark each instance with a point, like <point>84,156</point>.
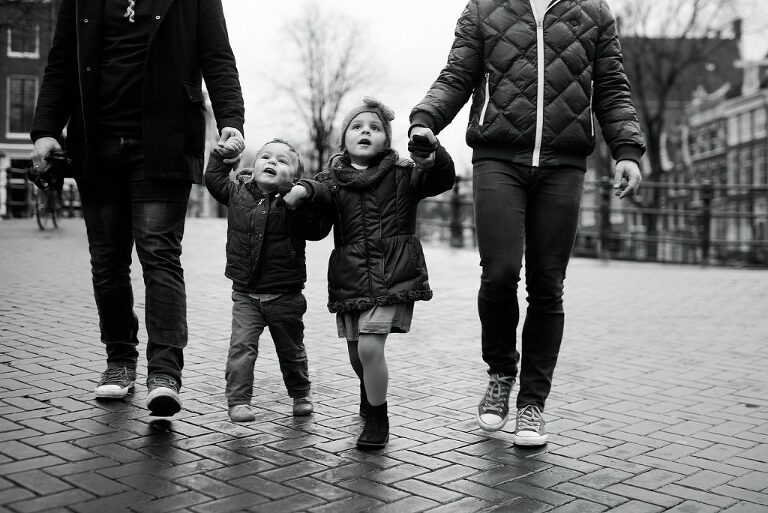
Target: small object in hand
<point>59,165</point>
<point>420,146</point>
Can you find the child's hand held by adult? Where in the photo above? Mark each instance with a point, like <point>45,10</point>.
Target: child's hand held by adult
<point>296,196</point>
<point>230,145</point>
<point>422,146</point>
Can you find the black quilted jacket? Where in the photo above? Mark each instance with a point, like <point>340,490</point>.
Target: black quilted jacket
<point>377,257</point>
<point>535,87</point>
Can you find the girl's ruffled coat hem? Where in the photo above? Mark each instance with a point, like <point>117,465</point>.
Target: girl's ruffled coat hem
<point>359,305</point>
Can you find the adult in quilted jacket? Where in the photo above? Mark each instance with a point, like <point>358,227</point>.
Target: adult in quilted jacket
<point>538,72</point>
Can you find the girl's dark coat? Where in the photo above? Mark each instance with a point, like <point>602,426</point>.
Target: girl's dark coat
<point>378,259</point>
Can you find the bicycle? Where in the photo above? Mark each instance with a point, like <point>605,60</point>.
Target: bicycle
<point>48,190</point>
<point>47,207</point>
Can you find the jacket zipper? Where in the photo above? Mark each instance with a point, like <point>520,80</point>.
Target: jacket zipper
<point>535,161</point>
<point>486,100</point>
<point>591,99</point>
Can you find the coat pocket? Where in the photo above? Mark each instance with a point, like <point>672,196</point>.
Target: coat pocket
<point>402,264</point>
<point>194,120</point>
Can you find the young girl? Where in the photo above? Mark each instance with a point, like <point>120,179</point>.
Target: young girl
<point>377,269</point>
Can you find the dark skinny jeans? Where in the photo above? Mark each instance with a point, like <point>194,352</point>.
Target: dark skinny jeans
<point>119,210</point>
<point>532,212</point>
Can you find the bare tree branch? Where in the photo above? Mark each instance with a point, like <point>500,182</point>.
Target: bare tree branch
<point>330,67</point>
<point>662,47</point>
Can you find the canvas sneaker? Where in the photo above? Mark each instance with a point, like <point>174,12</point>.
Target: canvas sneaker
<point>163,398</point>
<point>530,429</point>
<point>302,406</point>
<point>241,413</point>
<point>116,381</point>
<point>493,409</point>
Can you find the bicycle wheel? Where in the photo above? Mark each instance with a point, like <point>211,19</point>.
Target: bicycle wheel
<point>42,212</point>
<point>54,207</point>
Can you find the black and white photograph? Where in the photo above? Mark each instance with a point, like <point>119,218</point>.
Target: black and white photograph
<point>310,256</point>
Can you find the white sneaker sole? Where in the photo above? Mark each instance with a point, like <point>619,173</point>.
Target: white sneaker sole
<point>113,391</point>
<point>485,426</point>
<point>530,441</point>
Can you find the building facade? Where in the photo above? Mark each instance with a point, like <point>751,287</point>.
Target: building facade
<point>25,37</point>
<point>727,148</point>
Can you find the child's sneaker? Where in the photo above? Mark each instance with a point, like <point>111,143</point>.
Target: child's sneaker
<point>529,430</point>
<point>116,381</point>
<point>241,413</point>
<point>494,406</point>
<point>302,406</point>
<point>163,398</point>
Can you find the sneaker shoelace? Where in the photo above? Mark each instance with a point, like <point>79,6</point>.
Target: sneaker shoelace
<point>113,374</point>
<point>497,393</point>
<point>163,381</point>
<point>529,419</point>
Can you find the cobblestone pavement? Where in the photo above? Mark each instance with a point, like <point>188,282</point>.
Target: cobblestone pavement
<point>660,400</point>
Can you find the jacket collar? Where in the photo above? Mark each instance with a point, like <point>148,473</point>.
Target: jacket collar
<point>93,11</point>
<point>161,9</point>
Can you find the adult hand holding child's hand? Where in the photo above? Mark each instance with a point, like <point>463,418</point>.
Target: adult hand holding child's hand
<point>230,145</point>
<point>422,145</point>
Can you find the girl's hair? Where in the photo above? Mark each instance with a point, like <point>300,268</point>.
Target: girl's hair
<point>292,148</point>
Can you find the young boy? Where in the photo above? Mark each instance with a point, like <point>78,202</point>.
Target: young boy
<point>266,263</point>
<point>377,269</point>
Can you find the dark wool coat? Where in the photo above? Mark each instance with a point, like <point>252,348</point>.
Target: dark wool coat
<point>377,258</point>
<point>265,241</point>
<point>499,54</point>
<point>187,42</point>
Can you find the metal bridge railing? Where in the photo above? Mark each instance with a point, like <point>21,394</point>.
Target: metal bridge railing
<point>709,224</point>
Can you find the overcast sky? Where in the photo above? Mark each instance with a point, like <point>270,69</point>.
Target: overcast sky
<point>407,41</point>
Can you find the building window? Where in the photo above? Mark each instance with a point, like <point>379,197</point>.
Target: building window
<point>745,130</point>
<point>761,173</point>
<point>733,131</point>
<point>745,169</point>
<point>24,42</point>
<point>22,92</point>
<point>760,123</point>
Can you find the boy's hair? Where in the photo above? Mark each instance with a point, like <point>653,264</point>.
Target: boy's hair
<point>292,148</point>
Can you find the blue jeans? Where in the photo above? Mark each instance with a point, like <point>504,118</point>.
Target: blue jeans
<point>532,212</point>
<point>283,316</point>
<point>118,211</point>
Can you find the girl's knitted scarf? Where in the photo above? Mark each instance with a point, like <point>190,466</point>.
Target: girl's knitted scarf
<point>345,175</point>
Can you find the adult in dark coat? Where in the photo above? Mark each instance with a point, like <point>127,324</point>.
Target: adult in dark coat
<point>124,77</point>
<point>537,71</point>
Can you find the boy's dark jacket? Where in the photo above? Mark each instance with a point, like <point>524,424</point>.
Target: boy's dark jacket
<point>187,42</point>
<point>377,258</point>
<point>265,242</point>
<point>494,58</point>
